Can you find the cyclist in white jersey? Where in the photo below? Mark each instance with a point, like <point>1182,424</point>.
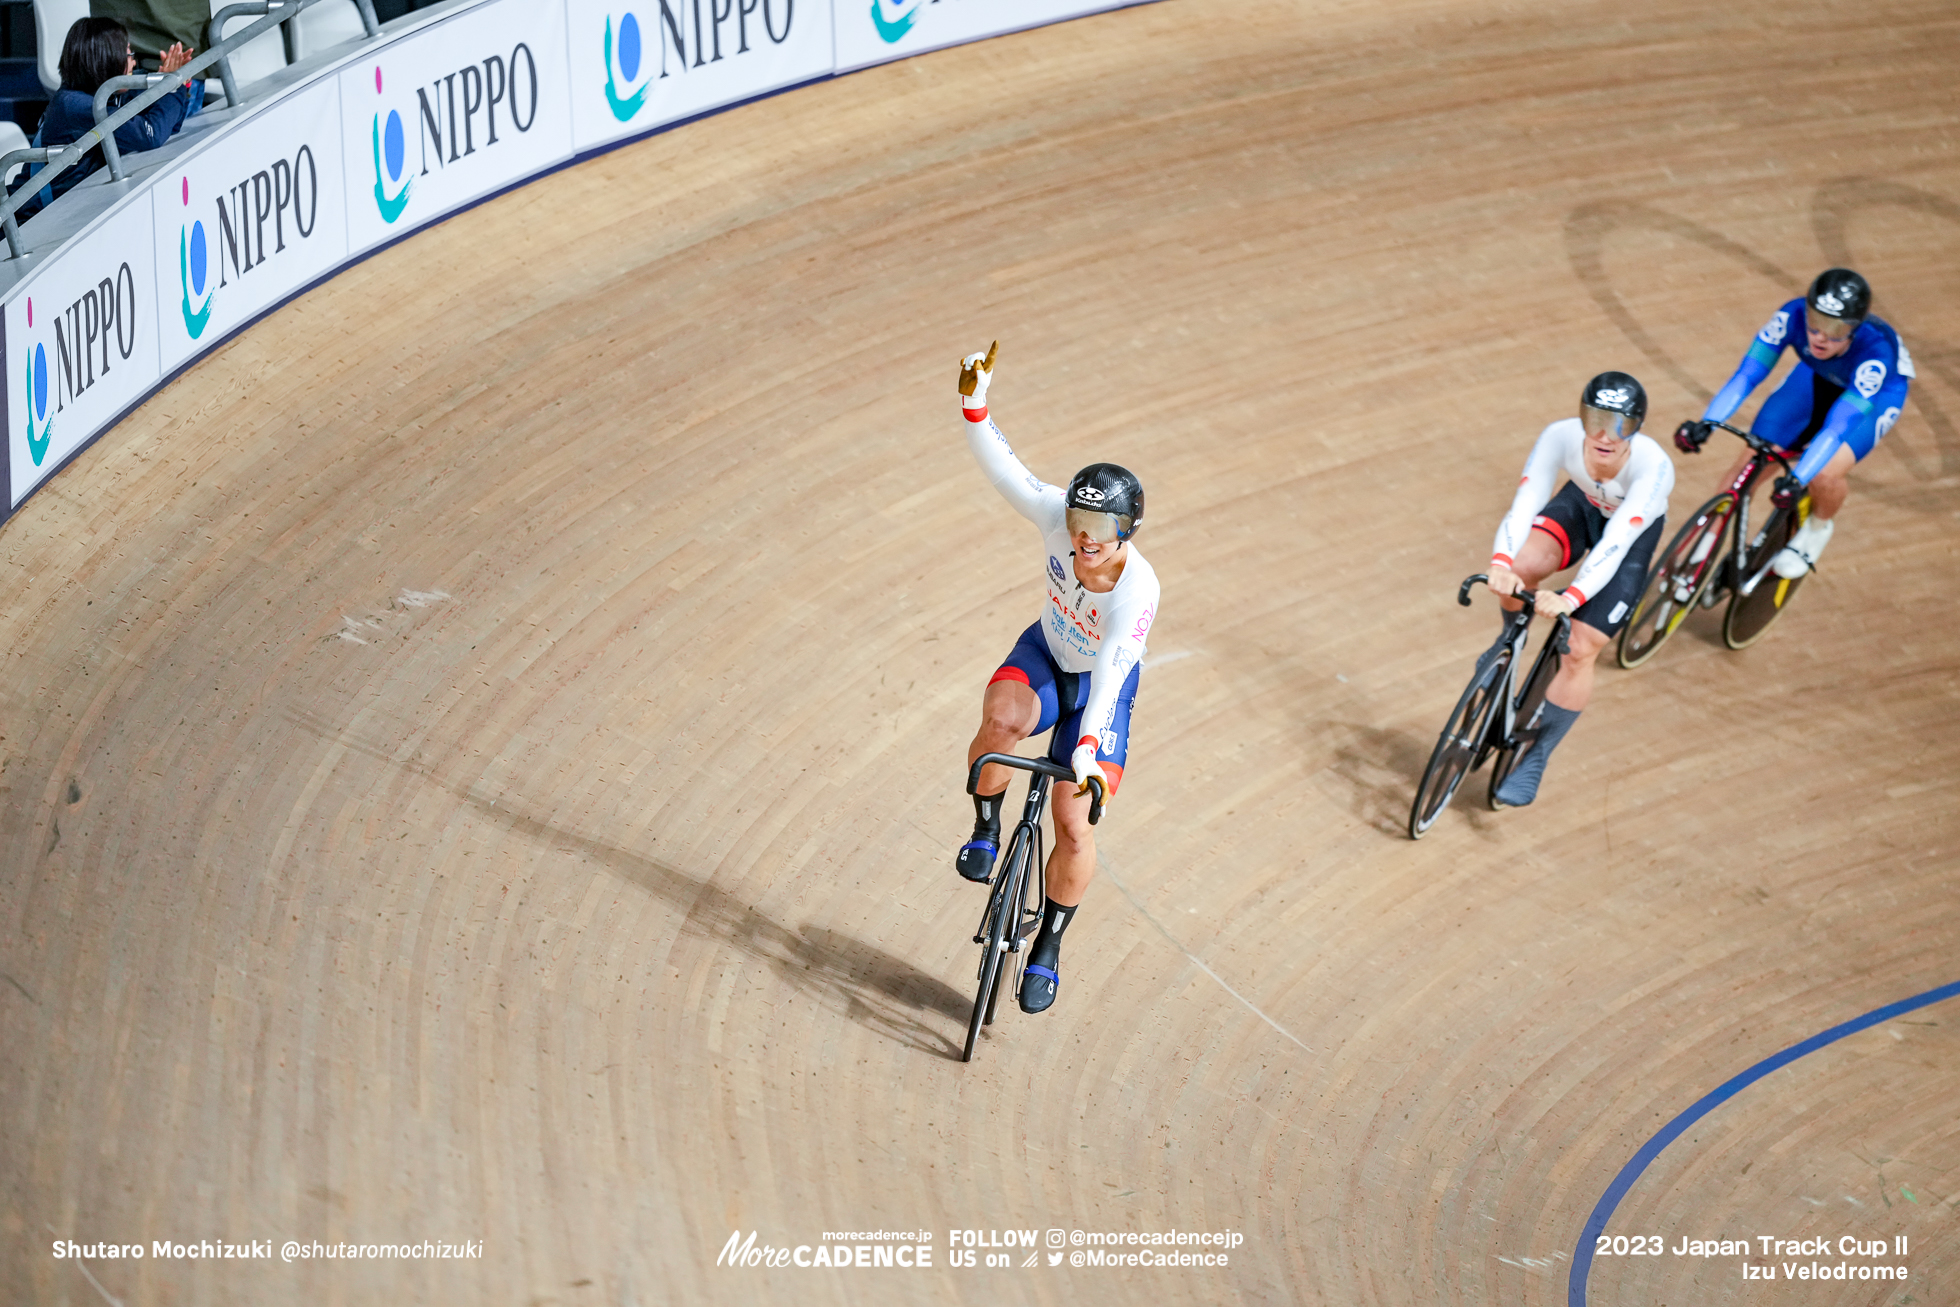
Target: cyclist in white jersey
<point>1078,666</point>
<point>1610,511</point>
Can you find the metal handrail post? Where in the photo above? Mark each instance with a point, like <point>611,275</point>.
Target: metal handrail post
<point>8,223</point>
<point>369,23</point>
<point>214,38</point>
<point>111,152</point>
<point>31,155</point>
<point>247,8</point>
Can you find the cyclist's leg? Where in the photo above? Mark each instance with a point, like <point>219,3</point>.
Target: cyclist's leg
<point>1072,864</point>
<point>1594,626</point>
<point>1791,415</point>
<point>1830,487</point>
<point>1020,701</point>
<point>1557,537</point>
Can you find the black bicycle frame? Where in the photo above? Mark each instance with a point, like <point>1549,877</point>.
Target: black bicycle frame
<point>1007,900</point>
<point>1516,634</point>
<point>1762,454</point>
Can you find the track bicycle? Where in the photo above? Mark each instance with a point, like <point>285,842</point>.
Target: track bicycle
<point>1715,555</point>
<point>1019,886</point>
<point>1498,714</point>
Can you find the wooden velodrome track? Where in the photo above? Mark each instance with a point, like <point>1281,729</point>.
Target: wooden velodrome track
<point>482,751</point>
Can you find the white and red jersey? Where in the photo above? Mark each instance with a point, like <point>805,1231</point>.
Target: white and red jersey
<point>1633,501</point>
<point>1101,634</point>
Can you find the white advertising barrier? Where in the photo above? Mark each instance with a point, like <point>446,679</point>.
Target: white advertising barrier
<point>241,227</point>
<point>450,113</point>
<point>873,31</point>
<point>636,64</point>
<point>402,133</point>
<point>79,345</point>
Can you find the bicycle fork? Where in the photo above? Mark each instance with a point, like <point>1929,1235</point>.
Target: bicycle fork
<point>1011,896</point>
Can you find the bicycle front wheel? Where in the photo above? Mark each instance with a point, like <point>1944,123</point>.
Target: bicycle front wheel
<point>1750,614</point>
<point>1002,903</point>
<point>1526,712</point>
<point>1457,747</point>
<point>1677,581</point>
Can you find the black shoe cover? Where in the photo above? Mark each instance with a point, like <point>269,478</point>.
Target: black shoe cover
<point>976,860</point>
<point>1038,985</point>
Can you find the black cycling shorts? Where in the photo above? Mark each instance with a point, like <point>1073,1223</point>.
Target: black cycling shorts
<point>1577,523</point>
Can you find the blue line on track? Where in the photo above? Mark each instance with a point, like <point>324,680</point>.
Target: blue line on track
<point>1582,1256</point>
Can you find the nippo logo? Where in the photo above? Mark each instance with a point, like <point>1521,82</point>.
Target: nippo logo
<point>623,68</point>
<point>90,336</point>
<point>894,18</point>
<point>391,152</point>
<point>37,396</point>
<point>194,271</point>
<point>630,70</point>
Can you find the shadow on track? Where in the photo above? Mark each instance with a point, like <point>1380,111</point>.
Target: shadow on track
<point>872,987</point>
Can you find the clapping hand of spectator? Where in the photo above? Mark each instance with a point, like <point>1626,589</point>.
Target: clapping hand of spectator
<point>174,58</point>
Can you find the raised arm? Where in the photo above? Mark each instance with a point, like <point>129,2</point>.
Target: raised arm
<point>1534,492</point>
<point>1031,497</point>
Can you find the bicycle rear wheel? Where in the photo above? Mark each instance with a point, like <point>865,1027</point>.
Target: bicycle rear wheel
<point>1530,705</point>
<point>1677,581</point>
<point>1750,614</point>
<point>1002,905</point>
<point>1462,739</point>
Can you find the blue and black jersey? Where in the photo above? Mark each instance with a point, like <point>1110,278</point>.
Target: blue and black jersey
<point>1860,391</point>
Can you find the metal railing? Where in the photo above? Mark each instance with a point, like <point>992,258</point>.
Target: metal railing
<point>153,87</point>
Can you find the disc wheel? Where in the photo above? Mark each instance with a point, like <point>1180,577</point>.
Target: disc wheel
<point>1750,615</point>
<point>992,935</point>
<point>1677,580</point>
<point>1459,747</point>
<point>1531,702</point>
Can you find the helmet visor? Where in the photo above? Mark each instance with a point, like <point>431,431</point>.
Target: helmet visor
<point>1831,328</point>
<point>1102,528</point>
<point>1597,420</point>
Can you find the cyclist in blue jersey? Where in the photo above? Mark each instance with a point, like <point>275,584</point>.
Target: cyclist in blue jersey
<point>1843,396</point>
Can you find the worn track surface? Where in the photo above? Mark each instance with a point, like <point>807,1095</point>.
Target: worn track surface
<point>482,751</point>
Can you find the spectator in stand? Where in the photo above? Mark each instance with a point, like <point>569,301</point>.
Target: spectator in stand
<point>96,50</point>
<point>156,27</point>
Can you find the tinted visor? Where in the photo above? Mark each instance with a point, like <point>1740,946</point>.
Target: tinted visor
<point>1103,528</point>
<point>1833,328</point>
<point>1617,425</point>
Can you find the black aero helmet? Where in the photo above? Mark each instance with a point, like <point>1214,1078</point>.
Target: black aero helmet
<point>1109,490</point>
<point>1613,401</point>
<point>1842,294</point>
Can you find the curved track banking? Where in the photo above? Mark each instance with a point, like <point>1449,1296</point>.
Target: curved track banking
<point>481,750</point>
